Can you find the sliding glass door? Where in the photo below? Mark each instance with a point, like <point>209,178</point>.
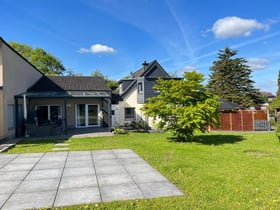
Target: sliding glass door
<point>87,115</point>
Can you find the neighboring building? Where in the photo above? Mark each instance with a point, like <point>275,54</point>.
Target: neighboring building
<point>47,102</point>
<point>134,92</point>
<point>16,76</point>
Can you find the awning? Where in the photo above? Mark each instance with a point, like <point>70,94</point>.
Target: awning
<point>66,94</point>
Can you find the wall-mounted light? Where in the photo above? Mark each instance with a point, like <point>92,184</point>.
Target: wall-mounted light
<point>68,106</point>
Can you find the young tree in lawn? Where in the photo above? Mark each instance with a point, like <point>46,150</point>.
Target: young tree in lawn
<point>183,106</point>
<point>42,60</point>
<point>231,79</point>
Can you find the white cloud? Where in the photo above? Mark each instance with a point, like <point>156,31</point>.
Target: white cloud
<point>189,68</point>
<point>234,26</point>
<point>258,63</point>
<point>97,48</point>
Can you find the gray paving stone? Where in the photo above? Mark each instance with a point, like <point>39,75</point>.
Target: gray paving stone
<point>60,149</point>
<point>32,155</point>
<point>8,186</point>
<point>108,162</point>
<point>103,155</point>
<point>80,158</point>
<point>49,165</point>
<point>139,168</point>
<point>44,174</point>
<point>20,201</point>
<point>24,159</point>
<point>79,153</point>
<point>78,171</point>
<point>132,161</point>
<point>114,179</point>
<point>3,198</point>
<point>18,167</point>
<point>78,181</point>
<point>152,176</point>
<point>124,154</point>
<point>159,189</point>
<point>12,175</point>
<point>120,192</point>
<point>38,185</point>
<point>78,163</point>
<point>113,169</point>
<point>76,196</point>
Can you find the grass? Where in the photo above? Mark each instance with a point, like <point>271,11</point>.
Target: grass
<point>215,171</point>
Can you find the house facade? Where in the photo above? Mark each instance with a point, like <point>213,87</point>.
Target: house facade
<point>134,92</point>
<point>16,76</point>
<point>35,105</point>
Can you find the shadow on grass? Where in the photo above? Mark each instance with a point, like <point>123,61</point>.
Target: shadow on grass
<point>212,139</point>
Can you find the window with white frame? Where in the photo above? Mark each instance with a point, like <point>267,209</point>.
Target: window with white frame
<point>129,113</point>
<point>140,87</point>
<point>48,113</point>
<point>11,116</point>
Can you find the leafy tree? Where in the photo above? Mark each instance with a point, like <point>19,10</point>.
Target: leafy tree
<point>183,106</point>
<point>42,60</point>
<point>231,79</point>
<point>276,102</point>
<point>113,84</point>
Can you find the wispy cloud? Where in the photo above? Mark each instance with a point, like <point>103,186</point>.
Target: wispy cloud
<point>97,48</point>
<point>258,63</point>
<point>182,30</point>
<point>234,27</point>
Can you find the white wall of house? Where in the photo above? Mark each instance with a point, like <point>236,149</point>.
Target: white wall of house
<point>16,76</point>
<point>129,101</point>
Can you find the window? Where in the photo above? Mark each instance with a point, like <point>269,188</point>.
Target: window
<point>48,113</point>
<point>10,116</point>
<point>140,87</point>
<point>129,113</point>
<point>87,115</point>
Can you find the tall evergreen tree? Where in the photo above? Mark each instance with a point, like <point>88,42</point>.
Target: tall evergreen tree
<point>231,79</point>
<point>278,83</point>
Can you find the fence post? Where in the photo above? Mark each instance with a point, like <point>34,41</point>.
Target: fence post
<point>230,121</point>
<point>253,120</point>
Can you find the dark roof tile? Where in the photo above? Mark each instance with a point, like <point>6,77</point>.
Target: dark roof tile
<point>66,83</point>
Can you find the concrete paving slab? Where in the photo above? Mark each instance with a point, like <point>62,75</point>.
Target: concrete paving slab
<point>38,185</point>
<point>78,171</point>
<point>12,175</point>
<point>44,174</point>
<point>21,201</point>
<point>114,179</point>
<point>49,165</point>
<point>152,176</point>
<point>24,159</point>
<point>103,155</point>
<point>8,186</point>
<point>159,189</point>
<point>18,167</point>
<point>69,178</point>
<point>110,169</point>
<point>78,164</point>
<point>76,196</point>
<point>138,168</point>
<point>78,181</point>
<point>3,198</point>
<point>120,192</point>
<point>108,162</point>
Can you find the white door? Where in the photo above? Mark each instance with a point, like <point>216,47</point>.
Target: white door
<point>87,115</point>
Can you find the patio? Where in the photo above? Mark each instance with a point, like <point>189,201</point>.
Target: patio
<point>38,180</point>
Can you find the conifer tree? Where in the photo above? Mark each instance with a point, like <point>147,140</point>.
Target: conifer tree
<point>231,79</point>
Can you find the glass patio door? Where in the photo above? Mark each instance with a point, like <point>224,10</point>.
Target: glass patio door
<point>87,115</point>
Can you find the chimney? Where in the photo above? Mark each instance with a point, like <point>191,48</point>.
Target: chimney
<point>144,65</point>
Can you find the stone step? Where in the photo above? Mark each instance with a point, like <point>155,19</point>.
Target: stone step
<point>61,145</point>
<point>60,149</point>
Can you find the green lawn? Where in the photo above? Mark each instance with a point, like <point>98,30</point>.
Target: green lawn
<point>216,171</point>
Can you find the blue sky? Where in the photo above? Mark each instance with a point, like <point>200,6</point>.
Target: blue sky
<point>116,36</point>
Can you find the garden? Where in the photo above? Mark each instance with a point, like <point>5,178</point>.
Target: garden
<point>218,170</point>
